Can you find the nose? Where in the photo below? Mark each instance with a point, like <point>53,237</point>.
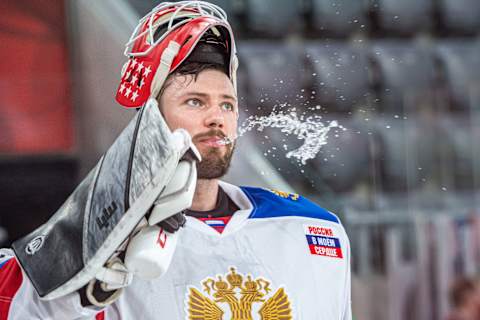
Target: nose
<point>214,118</point>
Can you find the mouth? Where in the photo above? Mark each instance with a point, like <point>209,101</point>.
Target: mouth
<point>215,142</point>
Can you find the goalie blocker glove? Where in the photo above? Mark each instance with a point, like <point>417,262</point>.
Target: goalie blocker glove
<point>74,246</point>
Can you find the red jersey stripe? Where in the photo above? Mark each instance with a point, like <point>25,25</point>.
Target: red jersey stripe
<point>10,281</point>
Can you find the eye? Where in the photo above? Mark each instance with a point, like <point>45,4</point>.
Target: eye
<point>195,103</point>
<point>228,106</point>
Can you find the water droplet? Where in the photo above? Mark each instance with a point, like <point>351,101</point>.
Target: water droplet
<point>444,188</point>
<point>308,129</point>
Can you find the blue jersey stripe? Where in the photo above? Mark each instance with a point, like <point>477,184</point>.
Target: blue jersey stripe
<point>267,204</point>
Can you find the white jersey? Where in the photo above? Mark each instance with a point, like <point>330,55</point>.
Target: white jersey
<point>279,257</point>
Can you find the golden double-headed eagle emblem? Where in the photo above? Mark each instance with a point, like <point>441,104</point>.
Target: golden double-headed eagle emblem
<point>239,293</point>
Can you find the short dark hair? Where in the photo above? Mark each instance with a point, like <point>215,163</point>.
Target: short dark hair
<point>193,69</point>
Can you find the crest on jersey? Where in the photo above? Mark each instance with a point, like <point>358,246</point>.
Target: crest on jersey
<point>236,297</point>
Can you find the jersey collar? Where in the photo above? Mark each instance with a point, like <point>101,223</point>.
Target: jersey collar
<point>238,219</point>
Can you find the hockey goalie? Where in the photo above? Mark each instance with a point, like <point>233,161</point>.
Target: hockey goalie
<point>152,232</point>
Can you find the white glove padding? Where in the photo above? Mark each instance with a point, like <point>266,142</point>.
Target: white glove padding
<point>148,256</point>
<point>182,142</point>
<point>150,252</point>
<point>109,283</point>
<point>178,194</point>
<point>114,275</point>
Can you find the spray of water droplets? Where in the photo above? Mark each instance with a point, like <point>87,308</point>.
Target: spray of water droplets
<point>310,129</point>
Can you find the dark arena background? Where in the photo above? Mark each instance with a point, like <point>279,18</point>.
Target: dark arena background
<point>402,76</point>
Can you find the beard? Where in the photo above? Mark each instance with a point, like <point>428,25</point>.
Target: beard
<point>214,165</point>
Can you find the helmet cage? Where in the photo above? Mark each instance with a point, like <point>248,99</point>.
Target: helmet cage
<point>165,12</point>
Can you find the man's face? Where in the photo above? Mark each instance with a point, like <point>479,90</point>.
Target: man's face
<point>207,109</point>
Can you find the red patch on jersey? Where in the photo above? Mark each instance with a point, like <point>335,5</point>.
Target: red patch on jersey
<point>10,281</point>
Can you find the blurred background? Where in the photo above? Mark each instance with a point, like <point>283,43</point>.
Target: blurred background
<point>402,76</point>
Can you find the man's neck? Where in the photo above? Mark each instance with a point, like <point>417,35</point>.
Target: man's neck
<point>206,193</point>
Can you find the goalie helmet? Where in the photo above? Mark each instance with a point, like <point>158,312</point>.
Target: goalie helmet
<point>167,36</point>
